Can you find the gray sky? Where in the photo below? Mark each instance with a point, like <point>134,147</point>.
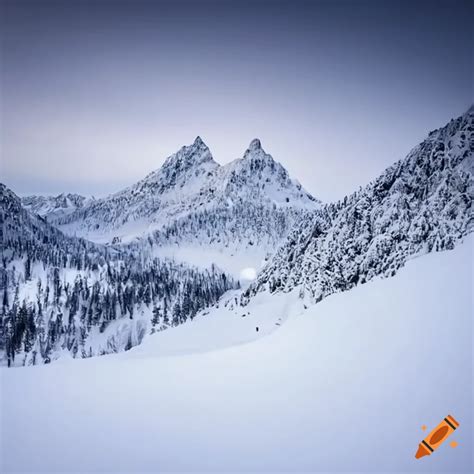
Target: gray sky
<point>95,95</point>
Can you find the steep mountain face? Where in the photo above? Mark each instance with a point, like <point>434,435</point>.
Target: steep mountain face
<point>246,210</point>
<point>54,206</point>
<point>420,204</point>
<point>63,295</point>
<point>257,176</point>
<point>24,234</point>
<point>177,200</point>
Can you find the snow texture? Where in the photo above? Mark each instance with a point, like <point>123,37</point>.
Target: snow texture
<point>344,385</point>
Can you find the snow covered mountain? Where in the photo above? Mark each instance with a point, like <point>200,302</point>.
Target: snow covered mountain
<point>63,295</point>
<point>25,234</point>
<point>54,206</point>
<point>422,203</point>
<point>191,198</point>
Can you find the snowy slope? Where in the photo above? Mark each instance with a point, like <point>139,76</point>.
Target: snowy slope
<point>344,386</point>
<point>65,296</point>
<point>24,232</point>
<point>422,203</point>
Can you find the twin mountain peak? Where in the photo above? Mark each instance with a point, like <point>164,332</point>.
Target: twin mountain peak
<point>198,153</point>
<point>191,192</point>
<point>257,173</point>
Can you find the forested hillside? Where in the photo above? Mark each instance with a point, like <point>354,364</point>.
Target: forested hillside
<point>421,204</point>
<point>63,295</point>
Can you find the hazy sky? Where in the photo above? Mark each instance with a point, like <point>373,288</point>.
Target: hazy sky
<point>96,94</point>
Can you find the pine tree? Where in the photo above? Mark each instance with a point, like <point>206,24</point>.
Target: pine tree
<point>28,267</point>
<point>156,318</point>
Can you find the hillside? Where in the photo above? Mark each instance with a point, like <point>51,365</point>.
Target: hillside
<point>395,351</point>
<point>422,203</point>
<point>65,296</point>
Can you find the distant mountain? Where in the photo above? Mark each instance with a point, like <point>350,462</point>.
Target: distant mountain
<point>62,295</point>
<point>25,233</point>
<point>191,198</point>
<point>54,206</point>
<point>421,204</point>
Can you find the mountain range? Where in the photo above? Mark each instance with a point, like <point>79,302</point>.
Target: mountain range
<point>54,206</point>
<point>191,186</point>
<point>83,277</point>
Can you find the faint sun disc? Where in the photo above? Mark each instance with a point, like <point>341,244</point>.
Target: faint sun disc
<point>248,273</point>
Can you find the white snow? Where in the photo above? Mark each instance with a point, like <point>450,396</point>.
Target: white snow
<point>222,327</point>
<point>240,262</point>
<point>248,273</point>
<point>342,386</point>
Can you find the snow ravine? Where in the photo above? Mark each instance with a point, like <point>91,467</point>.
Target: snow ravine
<point>342,386</point>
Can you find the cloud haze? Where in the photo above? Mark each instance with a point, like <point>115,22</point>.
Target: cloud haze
<point>95,95</point>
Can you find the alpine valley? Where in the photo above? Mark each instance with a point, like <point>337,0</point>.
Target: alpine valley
<point>82,277</point>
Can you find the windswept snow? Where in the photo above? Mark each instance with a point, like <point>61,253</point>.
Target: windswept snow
<point>342,386</point>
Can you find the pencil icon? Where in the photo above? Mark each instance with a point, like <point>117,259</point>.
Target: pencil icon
<point>436,437</point>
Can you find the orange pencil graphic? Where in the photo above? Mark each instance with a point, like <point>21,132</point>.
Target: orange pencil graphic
<point>437,437</point>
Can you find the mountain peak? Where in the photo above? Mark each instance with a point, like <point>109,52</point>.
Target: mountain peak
<point>189,155</point>
<point>198,141</point>
<point>197,148</point>
<point>255,144</point>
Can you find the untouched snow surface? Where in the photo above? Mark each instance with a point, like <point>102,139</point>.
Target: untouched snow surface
<point>342,386</point>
